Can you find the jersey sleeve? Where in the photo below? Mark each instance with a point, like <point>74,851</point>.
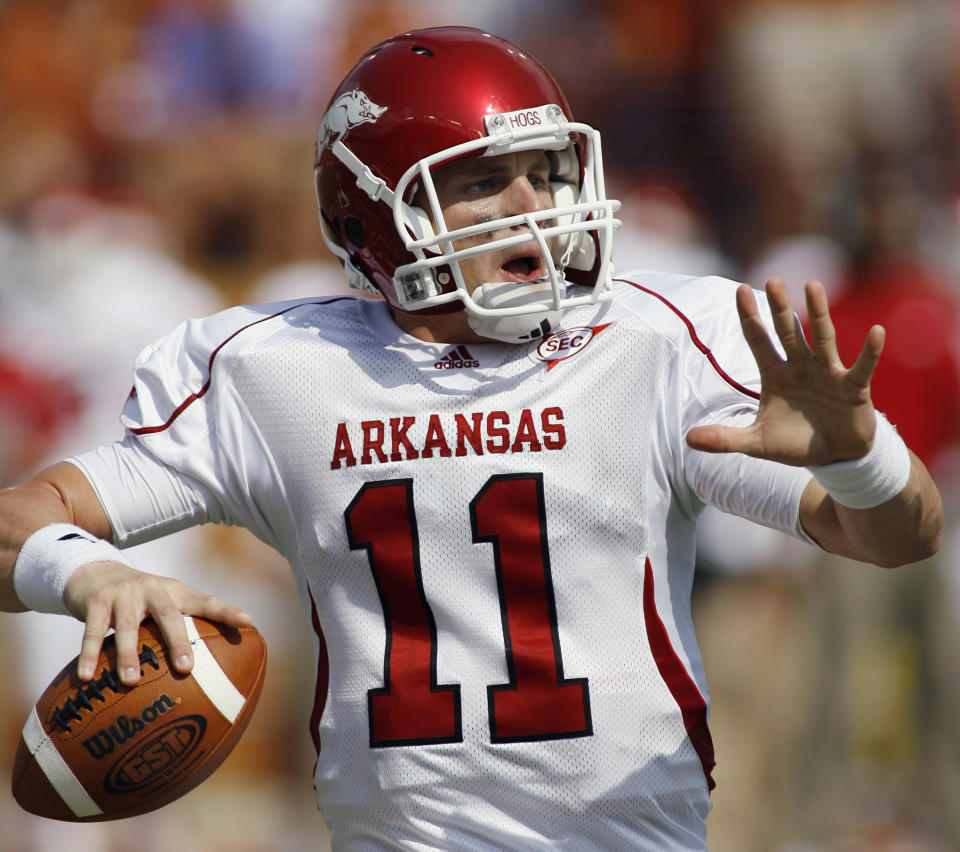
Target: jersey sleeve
<point>143,497</point>
<point>190,454</point>
<point>761,491</point>
<point>719,383</point>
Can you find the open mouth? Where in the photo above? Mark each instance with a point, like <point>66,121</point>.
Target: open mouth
<point>527,267</point>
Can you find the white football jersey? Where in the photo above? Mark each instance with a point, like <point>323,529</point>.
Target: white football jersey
<point>494,545</point>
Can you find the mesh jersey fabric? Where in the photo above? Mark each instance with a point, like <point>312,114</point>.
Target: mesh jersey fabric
<point>497,557</point>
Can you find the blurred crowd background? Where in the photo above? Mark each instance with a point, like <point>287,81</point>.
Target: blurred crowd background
<point>155,164</point>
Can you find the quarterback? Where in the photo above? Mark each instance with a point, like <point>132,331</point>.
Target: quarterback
<point>486,481</point>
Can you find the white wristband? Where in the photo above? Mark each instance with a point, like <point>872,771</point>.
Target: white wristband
<point>48,560</point>
<point>869,481</point>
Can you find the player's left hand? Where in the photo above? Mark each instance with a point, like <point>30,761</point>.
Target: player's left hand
<point>813,410</point>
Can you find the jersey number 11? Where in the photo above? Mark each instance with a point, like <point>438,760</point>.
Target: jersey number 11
<point>538,702</point>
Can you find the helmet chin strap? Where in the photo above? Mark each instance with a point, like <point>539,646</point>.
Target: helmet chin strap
<point>515,328</point>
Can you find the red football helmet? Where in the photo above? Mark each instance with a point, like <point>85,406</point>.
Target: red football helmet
<point>422,100</point>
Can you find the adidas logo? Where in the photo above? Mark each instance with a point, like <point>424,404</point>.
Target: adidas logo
<point>457,359</point>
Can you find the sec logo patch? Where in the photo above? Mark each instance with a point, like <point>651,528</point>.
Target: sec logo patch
<point>564,344</point>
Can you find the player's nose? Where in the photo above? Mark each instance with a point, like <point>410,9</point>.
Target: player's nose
<point>521,196</point>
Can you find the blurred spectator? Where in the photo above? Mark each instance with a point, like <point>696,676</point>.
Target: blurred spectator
<point>812,82</point>
<point>301,280</point>
<point>34,408</point>
<point>798,258</point>
<point>38,403</point>
<point>661,230</point>
<point>840,115</point>
<point>920,362</point>
<point>645,74</point>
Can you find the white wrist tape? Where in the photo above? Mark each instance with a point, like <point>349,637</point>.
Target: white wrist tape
<point>48,560</point>
<point>869,481</point>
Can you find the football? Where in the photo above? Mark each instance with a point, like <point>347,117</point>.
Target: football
<point>101,750</point>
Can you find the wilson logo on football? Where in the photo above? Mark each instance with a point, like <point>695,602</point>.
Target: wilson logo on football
<point>566,343</point>
<point>104,740</point>
<point>457,359</point>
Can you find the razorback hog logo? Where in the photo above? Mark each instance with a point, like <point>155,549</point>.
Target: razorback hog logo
<point>347,111</point>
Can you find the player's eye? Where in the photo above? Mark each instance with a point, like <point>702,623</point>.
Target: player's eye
<point>482,187</point>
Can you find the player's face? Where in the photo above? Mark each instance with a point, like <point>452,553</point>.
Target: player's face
<point>482,189</point>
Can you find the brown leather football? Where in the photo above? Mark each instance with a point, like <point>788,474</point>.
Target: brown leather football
<point>101,750</point>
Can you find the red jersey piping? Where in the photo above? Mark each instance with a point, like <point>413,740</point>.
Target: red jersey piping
<point>693,707</point>
<point>192,398</point>
<point>696,339</point>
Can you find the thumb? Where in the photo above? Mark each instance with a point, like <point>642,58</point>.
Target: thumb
<point>722,439</point>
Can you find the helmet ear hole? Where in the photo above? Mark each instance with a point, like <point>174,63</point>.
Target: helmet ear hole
<point>354,231</point>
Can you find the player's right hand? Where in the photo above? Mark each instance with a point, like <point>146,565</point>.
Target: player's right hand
<point>111,594</point>
<point>813,410</point>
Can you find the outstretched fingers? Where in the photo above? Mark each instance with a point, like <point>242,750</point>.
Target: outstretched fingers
<point>754,330</point>
<point>812,409</point>
<point>785,320</point>
<point>824,339</point>
<point>862,370</point>
<point>823,336</point>
<point>724,439</point>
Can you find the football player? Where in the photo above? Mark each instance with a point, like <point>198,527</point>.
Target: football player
<point>486,481</point>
